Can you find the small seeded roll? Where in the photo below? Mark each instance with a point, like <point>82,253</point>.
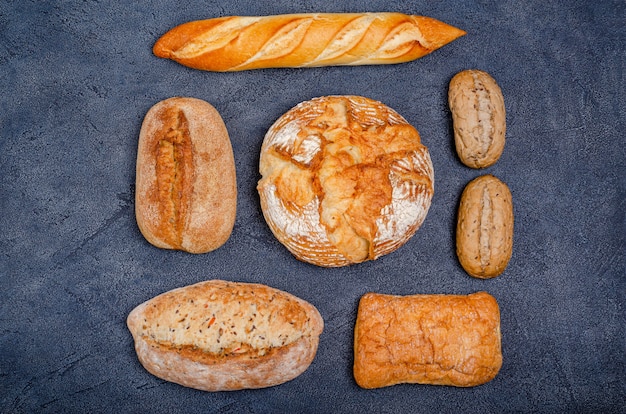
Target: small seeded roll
<point>484,232</point>
<point>478,117</point>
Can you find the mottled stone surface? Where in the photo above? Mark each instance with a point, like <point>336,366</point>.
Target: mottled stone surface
<point>77,77</point>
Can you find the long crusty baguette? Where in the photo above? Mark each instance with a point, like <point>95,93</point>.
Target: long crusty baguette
<point>223,336</point>
<point>345,179</point>
<point>297,40</point>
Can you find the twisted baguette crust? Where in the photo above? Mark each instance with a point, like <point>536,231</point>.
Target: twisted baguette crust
<point>237,43</point>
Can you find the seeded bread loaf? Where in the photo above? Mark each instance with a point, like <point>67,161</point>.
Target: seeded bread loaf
<point>222,336</point>
<point>484,231</point>
<point>478,116</point>
<point>236,43</point>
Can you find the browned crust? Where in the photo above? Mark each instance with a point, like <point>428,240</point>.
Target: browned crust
<point>427,339</point>
<point>226,373</point>
<point>296,40</point>
<point>186,191</point>
<point>229,369</point>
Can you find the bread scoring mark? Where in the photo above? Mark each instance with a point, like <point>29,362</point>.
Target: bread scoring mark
<point>368,114</point>
<point>285,41</point>
<point>483,124</point>
<point>288,140</point>
<point>307,150</point>
<point>215,38</point>
<point>282,138</point>
<point>174,169</point>
<point>411,180</point>
<point>346,39</point>
<point>486,224</point>
<point>400,41</point>
<point>296,222</point>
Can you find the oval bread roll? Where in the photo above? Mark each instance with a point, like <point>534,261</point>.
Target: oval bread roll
<point>236,43</point>
<point>478,117</point>
<point>223,336</point>
<point>345,179</point>
<point>484,232</point>
<point>186,189</point>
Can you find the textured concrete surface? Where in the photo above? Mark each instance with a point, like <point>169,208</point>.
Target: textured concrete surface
<point>77,77</point>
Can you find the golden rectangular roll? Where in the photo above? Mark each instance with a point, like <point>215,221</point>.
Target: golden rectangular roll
<point>427,339</point>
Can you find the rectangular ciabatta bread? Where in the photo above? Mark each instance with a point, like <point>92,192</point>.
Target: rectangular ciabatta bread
<point>236,43</point>
<point>427,339</point>
<point>223,336</point>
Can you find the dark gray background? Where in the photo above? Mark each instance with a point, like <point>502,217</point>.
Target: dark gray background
<point>77,77</point>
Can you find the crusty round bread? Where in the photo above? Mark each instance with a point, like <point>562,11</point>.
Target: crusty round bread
<point>345,179</point>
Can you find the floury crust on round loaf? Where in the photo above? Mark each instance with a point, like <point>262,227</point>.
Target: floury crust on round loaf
<point>345,179</point>
<point>223,336</point>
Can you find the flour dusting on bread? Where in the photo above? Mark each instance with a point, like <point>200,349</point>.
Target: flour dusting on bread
<point>345,179</point>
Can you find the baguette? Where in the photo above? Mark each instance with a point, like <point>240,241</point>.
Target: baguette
<point>427,339</point>
<point>186,190</point>
<point>224,336</point>
<point>237,43</point>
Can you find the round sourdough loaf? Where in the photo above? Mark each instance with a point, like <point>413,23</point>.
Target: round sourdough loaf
<point>345,179</point>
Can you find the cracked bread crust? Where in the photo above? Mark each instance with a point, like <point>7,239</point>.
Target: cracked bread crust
<point>345,179</point>
<point>221,336</point>
<point>427,339</point>
<point>186,191</point>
